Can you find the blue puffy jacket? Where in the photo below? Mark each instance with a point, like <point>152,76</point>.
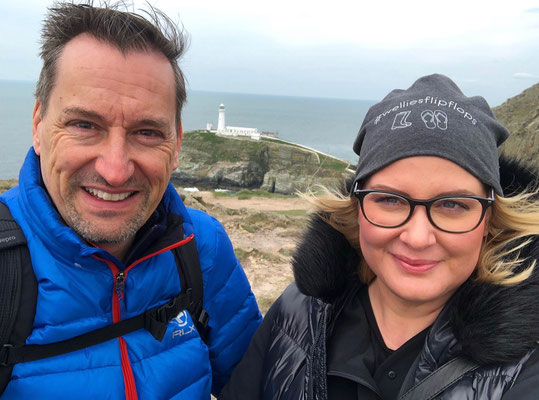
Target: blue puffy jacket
<point>77,294</point>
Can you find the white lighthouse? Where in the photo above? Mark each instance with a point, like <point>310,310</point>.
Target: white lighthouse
<point>221,127</point>
<point>224,130</point>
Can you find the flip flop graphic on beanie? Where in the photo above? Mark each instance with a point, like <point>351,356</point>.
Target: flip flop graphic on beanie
<point>441,119</point>
<point>434,119</point>
<point>428,118</point>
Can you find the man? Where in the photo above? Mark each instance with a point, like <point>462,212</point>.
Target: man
<point>101,218</point>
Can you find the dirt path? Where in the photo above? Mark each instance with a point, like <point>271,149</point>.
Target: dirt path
<point>263,236</point>
<point>255,203</point>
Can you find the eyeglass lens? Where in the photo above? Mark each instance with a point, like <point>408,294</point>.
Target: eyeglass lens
<point>455,214</point>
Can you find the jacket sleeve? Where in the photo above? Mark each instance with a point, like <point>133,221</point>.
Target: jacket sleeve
<point>246,380</point>
<point>228,299</point>
<point>526,386</point>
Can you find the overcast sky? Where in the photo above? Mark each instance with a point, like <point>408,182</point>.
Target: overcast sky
<point>343,49</point>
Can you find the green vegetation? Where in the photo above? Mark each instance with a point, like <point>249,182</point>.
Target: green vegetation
<point>246,194</point>
<point>200,200</point>
<point>281,142</point>
<point>249,228</point>
<point>243,254</point>
<point>263,219</point>
<point>520,115</point>
<point>264,303</point>
<point>265,256</point>
<point>327,162</point>
<point>285,252</point>
<point>219,148</point>
<point>240,253</point>
<point>224,194</point>
<point>292,213</point>
<point>292,233</point>
<point>334,163</point>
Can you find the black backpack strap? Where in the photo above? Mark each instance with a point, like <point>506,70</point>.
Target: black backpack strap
<point>190,272</point>
<point>18,289</point>
<point>434,384</point>
<point>154,320</point>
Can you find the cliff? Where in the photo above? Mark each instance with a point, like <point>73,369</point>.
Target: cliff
<point>211,161</point>
<point>520,114</point>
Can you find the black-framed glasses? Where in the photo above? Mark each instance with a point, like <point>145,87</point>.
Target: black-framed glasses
<point>453,214</point>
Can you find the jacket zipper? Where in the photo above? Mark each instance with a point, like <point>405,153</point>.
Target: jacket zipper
<point>117,295</point>
<point>120,280</point>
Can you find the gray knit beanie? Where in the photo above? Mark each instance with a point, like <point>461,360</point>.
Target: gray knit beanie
<point>432,118</point>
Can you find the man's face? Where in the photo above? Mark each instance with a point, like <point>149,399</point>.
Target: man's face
<point>108,141</point>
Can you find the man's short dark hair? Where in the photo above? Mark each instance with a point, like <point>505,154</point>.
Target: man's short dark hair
<point>126,30</point>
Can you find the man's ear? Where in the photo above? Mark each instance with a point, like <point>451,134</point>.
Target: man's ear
<point>178,146</point>
<point>36,121</point>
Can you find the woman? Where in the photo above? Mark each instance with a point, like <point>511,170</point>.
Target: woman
<point>419,281</point>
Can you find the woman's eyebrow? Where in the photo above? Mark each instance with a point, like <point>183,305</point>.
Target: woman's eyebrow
<point>456,192</point>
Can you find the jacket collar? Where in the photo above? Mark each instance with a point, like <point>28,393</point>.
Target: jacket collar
<point>491,323</point>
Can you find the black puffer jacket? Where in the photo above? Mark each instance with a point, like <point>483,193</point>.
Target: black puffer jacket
<point>496,327</point>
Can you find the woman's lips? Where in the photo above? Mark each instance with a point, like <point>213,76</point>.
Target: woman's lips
<point>414,266</point>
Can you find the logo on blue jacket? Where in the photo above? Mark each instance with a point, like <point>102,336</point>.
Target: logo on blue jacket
<point>182,321</point>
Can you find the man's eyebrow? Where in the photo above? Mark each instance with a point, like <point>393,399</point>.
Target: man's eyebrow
<point>153,123</point>
<point>157,123</point>
<point>81,112</point>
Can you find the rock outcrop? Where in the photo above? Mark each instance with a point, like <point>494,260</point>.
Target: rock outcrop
<point>210,161</point>
<point>520,114</point>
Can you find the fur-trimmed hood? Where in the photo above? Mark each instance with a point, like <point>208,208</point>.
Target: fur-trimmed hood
<point>492,323</point>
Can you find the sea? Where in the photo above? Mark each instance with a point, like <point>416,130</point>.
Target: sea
<point>324,124</point>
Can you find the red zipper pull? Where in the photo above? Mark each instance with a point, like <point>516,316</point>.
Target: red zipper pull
<point>120,283</point>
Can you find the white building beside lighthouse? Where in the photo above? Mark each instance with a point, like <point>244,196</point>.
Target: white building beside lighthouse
<point>224,130</point>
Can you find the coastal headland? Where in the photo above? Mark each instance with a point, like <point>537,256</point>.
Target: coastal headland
<point>210,161</point>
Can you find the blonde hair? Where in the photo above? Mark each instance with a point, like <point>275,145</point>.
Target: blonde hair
<point>513,223</point>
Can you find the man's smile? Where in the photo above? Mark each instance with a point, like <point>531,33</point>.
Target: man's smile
<point>108,196</point>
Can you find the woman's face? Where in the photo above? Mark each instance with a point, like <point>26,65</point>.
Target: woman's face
<point>417,262</point>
